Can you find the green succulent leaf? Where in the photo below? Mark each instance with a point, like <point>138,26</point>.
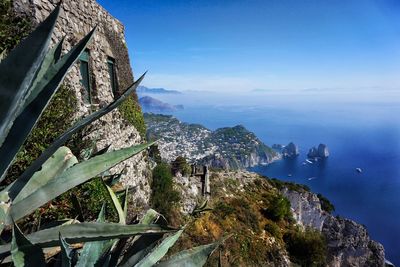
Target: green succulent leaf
<point>72,177</point>
<point>23,252</point>
<point>61,160</point>
<point>39,96</point>
<point>24,178</point>
<point>3,55</point>
<point>92,251</point>
<point>18,70</point>
<point>66,252</point>
<point>141,245</point>
<point>50,59</point>
<point>158,252</point>
<point>194,257</point>
<point>126,203</point>
<point>117,204</point>
<point>87,232</point>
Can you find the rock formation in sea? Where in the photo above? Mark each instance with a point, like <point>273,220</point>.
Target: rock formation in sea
<point>321,152</point>
<point>290,151</point>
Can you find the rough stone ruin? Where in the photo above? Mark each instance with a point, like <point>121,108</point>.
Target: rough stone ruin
<point>204,174</point>
<point>102,72</point>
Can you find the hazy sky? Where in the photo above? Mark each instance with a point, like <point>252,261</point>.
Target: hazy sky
<point>271,44</point>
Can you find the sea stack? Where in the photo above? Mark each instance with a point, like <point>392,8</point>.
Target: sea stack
<point>320,152</point>
<point>290,151</point>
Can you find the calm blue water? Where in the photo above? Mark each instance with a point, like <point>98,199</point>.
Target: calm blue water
<point>363,133</point>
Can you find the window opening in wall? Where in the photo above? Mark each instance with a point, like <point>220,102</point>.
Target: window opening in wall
<point>113,76</point>
<point>85,74</point>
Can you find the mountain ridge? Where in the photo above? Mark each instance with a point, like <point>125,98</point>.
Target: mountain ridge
<point>225,148</point>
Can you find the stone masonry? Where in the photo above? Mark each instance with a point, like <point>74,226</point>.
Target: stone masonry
<point>77,18</point>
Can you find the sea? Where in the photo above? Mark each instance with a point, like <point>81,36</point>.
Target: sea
<point>360,127</point>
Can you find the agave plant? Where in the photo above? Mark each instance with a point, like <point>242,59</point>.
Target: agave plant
<point>27,83</point>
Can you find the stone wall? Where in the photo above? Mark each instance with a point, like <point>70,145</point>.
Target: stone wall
<point>77,18</point>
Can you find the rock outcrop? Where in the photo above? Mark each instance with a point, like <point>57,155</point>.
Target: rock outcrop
<point>320,152</point>
<point>348,242</point>
<point>290,151</point>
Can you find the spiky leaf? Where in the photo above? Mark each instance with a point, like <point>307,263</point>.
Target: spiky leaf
<point>92,251</point>
<point>87,232</point>
<point>40,97</point>
<point>72,177</point>
<point>158,252</point>
<point>194,257</point>
<point>66,252</point>
<point>18,70</point>
<point>141,245</point>
<point>24,178</point>
<point>53,167</point>
<point>117,204</point>
<point>23,252</point>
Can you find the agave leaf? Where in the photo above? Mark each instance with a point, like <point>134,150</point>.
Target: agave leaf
<point>195,257</point>
<point>92,251</point>
<point>53,167</point>
<point>141,245</point>
<point>157,253</point>
<point>66,252</point>
<point>58,223</point>
<point>45,88</point>
<point>126,203</point>
<point>50,59</point>
<point>150,217</point>
<point>87,232</point>
<point>117,204</point>
<point>100,152</point>
<point>3,55</point>
<point>72,177</point>
<point>22,180</point>
<point>18,70</point>
<point>23,252</point>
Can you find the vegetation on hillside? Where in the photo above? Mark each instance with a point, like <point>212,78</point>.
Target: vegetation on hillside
<point>260,221</point>
<point>164,197</point>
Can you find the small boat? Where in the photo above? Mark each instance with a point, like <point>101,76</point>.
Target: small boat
<point>289,175</point>
<point>309,161</point>
<point>359,170</point>
<point>312,178</point>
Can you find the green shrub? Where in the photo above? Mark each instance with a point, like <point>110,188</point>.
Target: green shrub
<point>13,28</point>
<point>180,165</point>
<point>278,208</point>
<point>222,209</point>
<point>154,153</point>
<point>279,184</point>
<point>131,111</point>
<point>306,248</point>
<point>273,229</point>
<point>164,197</point>
<point>326,205</point>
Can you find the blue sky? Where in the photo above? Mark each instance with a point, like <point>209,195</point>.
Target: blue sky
<point>266,45</point>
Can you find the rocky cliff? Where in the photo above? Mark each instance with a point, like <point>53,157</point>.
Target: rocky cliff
<point>348,242</point>
<point>241,203</point>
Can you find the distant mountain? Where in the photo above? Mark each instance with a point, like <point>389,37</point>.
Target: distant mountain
<point>226,148</point>
<point>146,90</point>
<point>150,104</point>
